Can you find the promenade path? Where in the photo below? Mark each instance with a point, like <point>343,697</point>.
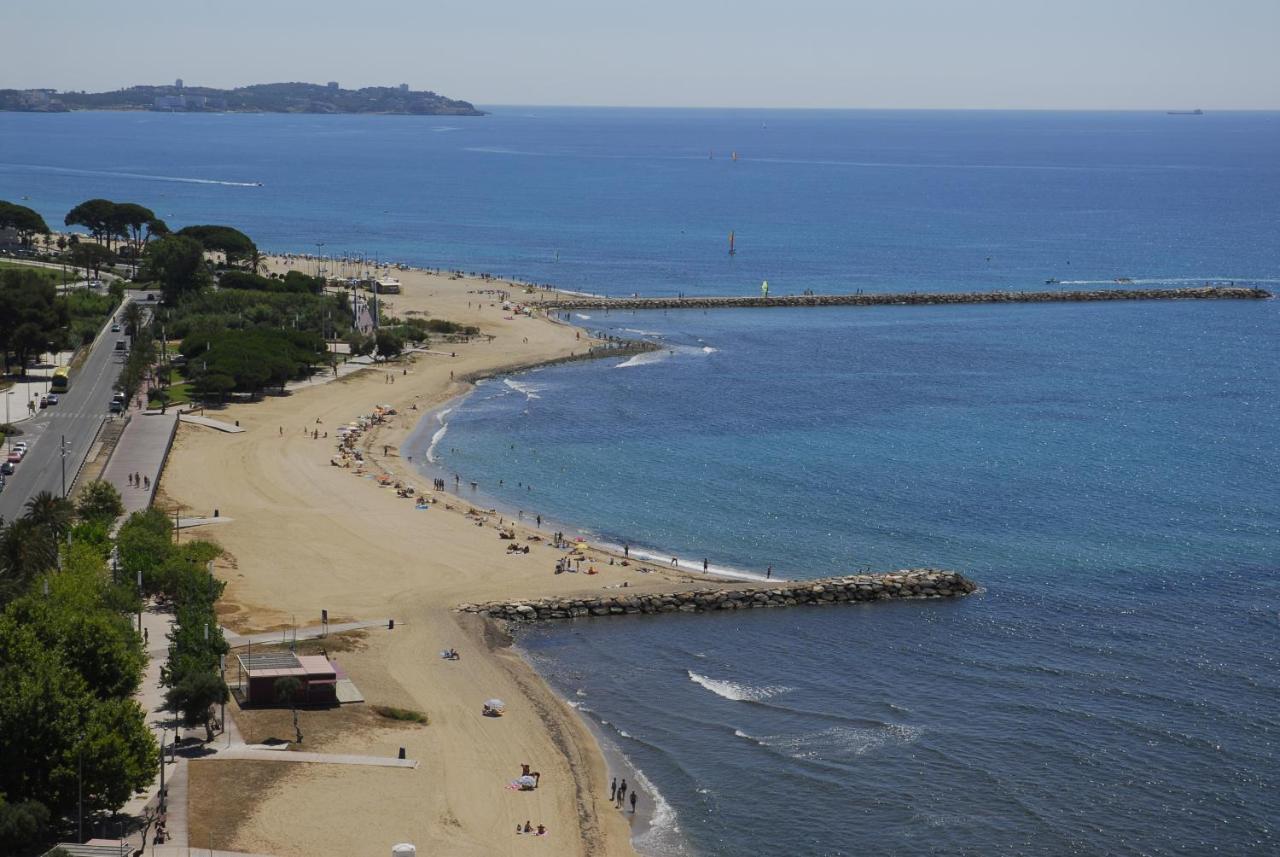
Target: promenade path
<point>285,635</point>
<point>142,449</point>
<point>199,420</point>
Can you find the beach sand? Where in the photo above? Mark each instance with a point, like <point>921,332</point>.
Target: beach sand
<point>308,536</point>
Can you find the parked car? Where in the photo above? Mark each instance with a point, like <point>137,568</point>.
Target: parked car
<point>15,457</point>
<point>53,398</point>
<point>21,446</point>
<point>117,406</point>
<point>115,328</point>
<point>7,468</point>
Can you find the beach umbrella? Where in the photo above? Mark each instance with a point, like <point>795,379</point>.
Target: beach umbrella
<point>526,781</point>
<point>496,704</point>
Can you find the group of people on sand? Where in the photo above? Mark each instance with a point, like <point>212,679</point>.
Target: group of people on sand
<point>540,830</point>
<point>618,794</point>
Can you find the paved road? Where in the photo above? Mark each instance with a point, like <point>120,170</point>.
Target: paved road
<point>77,416</point>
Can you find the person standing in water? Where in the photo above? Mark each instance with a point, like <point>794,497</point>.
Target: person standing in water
<point>633,802</point>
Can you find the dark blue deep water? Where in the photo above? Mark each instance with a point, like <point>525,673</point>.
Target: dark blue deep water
<point>1109,473</point>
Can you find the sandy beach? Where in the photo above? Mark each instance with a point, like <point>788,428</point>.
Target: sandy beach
<point>307,536</point>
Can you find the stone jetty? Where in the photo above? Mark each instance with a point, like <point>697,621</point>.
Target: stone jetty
<point>567,302</point>
<point>896,585</point>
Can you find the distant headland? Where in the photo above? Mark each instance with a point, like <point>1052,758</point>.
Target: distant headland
<point>257,98</point>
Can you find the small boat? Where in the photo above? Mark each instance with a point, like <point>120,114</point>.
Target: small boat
<point>734,156</point>
<point>1052,281</point>
<point>1196,112</point>
<point>1124,281</point>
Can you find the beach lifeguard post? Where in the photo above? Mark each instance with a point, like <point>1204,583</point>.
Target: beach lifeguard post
<point>259,671</point>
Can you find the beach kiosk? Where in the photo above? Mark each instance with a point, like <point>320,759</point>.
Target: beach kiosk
<point>259,671</point>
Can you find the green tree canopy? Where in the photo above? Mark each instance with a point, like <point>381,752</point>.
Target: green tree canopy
<point>194,697</point>
<point>95,215</point>
<point>25,221</point>
<point>31,316</point>
<point>237,246</point>
<point>91,257</point>
<point>177,263</point>
<point>51,512</point>
<point>100,501</point>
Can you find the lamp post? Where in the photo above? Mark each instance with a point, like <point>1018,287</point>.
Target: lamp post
<point>8,437</point>
<point>319,244</point>
<point>63,447</point>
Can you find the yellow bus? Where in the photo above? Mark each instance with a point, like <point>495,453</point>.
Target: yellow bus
<point>61,380</point>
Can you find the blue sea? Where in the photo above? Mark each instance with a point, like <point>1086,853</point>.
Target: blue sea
<point>1108,473</point>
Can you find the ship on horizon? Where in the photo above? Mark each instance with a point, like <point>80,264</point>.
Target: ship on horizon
<point>1196,112</point>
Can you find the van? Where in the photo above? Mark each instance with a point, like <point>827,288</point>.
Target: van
<point>117,406</point>
<point>120,345</point>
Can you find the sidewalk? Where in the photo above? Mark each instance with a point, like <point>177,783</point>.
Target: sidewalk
<point>142,449</point>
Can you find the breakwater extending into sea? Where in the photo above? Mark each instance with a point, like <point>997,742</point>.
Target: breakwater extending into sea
<point>915,583</point>
<point>907,299</point>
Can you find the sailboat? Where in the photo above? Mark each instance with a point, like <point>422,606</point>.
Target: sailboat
<point>732,251</point>
<point>735,156</point>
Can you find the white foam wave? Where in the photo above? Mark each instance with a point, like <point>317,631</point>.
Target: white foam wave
<point>707,349</point>
<point>581,316</point>
<point>439,435</point>
<point>530,391</point>
<point>644,358</point>
<point>735,691</point>
<point>837,741</point>
<point>662,835</point>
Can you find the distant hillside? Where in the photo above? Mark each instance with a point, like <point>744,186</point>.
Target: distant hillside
<point>259,98</point>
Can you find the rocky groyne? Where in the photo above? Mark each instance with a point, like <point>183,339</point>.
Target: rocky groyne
<point>566,302</point>
<point>897,585</point>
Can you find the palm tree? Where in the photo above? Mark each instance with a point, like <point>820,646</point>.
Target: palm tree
<point>132,318</point>
<point>27,550</point>
<point>51,513</point>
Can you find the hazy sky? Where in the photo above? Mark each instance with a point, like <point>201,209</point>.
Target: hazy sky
<point>1216,54</point>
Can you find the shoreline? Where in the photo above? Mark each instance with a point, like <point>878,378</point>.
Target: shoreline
<point>305,535</point>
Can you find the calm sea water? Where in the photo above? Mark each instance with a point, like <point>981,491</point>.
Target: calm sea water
<point>1108,473</point>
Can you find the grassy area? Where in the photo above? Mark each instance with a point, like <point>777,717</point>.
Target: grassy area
<point>179,391</point>
<point>53,275</point>
<point>406,715</point>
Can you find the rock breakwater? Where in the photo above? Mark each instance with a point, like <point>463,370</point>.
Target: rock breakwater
<point>915,583</point>
<point>566,302</point>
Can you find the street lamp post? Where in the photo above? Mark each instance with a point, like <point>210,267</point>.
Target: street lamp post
<point>8,436</point>
<point>62,447</point>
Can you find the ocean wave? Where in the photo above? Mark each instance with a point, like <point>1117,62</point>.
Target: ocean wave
<point>645,358</point>
<point>439,435</point>
<point>736,691</point>
<point>530,391</point>
<point>836,741</point>
<point>582,316</point>
<point>663,833</point>
<point>707,349</point>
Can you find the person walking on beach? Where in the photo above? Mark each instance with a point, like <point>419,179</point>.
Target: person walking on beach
<point>768,573</point>
<point>705,565</point>
<point>622,792</point>
<point>633,802</point>
<point>613,791</point>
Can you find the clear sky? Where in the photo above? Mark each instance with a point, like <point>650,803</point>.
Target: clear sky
<point>1111,54</point>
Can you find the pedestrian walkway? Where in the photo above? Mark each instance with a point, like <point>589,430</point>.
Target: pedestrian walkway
<point>141,450</point>
<point>286,635</point>
<point>257,754</point>
<point>198,420</point>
